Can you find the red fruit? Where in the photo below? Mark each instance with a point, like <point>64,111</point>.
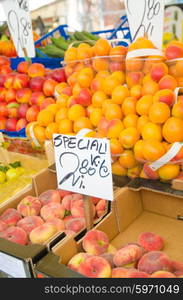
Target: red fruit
<point>23,67</point>
<point>2,123</point>
<point>22,110</point>
<point>2,80</point>
<point>59,75</point>
<point>84,97</point>
<point>3,109</point>
<point>23,95</point>
<point>49,87</point>
<point>154,261</point>
<point>22,123</point>
<point>173,52</point>
<point>4,60</point>
<point>9,80</point>
<point>67,91</point>
<point>150,241</point>
<point>36,70</point>
<point>4,70</point>
<point>2,94</point>
<point>36,84</point>
<point>36,98</point>
<point>11,124</point>
<point>10,95</point>
<point>31,114</point>
<point>15,234</point>
<point>13,109</point>
<point>20,81</point>
<point>46,102</point>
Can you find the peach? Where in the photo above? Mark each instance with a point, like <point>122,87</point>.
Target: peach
<point>49,196</point>
<point>23,95</point>
<point>120,273</point>
<point>133,273</point>
<point>3,226</point>
<point>15,234</point>
<point>75,224</point>
<point>22,123</point>
<point>109,258</point>
<point>95,200</point>
<point>29,223</point>
<point>111,249</point>
<point>36,84</point>
<point>154,261</point>
<point>36,70</point>
<point>127,255</point>
<point>10,95</point>
<point>58,223</point>
<point>9,79</point>
<point>174,51</point>
<point>75,262</point>
<point>42,233</point>
<point>10,216</point>
<point>2,94</point>
<point>69,200</point>
<point>163,274</point>
<point>29,206</point>
<point>150,241</point>
<point>158,71</point>
<point>168,82</point>
<point>20,81</point>
<point>49,87</point>
<point>69,232</point>
<point>77,209</point>
<point>32,113</point>
<point>167,96</point>
<point>52,210</point>
<point>23,67</point>
<point>36,98</point>
<point>84,97</point>
<point>150,173</point>
<point>177,267</point>
<point>64,193</point>
<point>95,242</point>
<point>101,207</point>
<point>67,218</point>
<point>95,267</point>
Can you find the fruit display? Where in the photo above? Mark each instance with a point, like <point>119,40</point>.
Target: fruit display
<point>10,171</point>
<point>36,219</point>
<point>24,92</point>
<point>143,258</point>
<point>57,46</point>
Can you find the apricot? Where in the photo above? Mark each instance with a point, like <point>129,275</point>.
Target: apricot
<point>168,82</point>
<point>152,150</point>
<point>119,94</point>
<point>141,122</point>
<point>117,169</point>
<point>114,128</point>
<point>98,98</point>
<point>177,110</point>
<point>138,150</point>
<point>129,106</point>
<point>130,121</point>
<point>81,123</point>
<point>136,91</point>
<point>115,146</point>
<point>113,111</point>
<point>127,159</point>
<point>152,131</point>
<point>169,172</point>
<point>128,137</point>
<point>172,130</point>
<point>150,88</point>
<point>134,78</point>
<point>167,96</point>
<point>144,104</point>
<point>158,71</point>
<point>109,84</point>
<point>159,113</point>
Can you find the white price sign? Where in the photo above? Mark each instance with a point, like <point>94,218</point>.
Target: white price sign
<point>146,18</point>
<point>20,26</point>
<point>12,266</point>
<point>83,165</point>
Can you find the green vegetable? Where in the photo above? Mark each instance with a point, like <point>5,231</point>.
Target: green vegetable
<point>90,36</point>
<point>15,165</point>
<point>79,36</point>
<point>53,51</point>
<point>60,43</point>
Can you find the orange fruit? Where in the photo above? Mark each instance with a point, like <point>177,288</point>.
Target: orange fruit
<point>146,78</point>
<point>136,91</point>
<point>119,94</point>
<point>72,79</point>
<point>119,75</point>
<point>152,131</point>
<point>51,129</point>
<point>65,126</point>
<point>169,172</point>
<point>76,111</point>
<point>153,150</point>
<point>100,64</point>
<point>116,147</point>
<point>142,121</point>
<point>144,104</point>
<point>118,170</point>
<point>105,104</point>
<point>134,78</point>
<point>84,51</point>
<point>53,108</point>
<point>138,150</point>
<point>95,116</point>
<point>102,74</point>
<point>61,114</point>
<point>45,117</point>
<point>130,121</point>
<point>173,130</point>
<point>60,86</point>
<point>114,128</point>
<point>109,84</point>
<point>82,123</point>
<point>127,159</point>
<point>102,48</point>
<point>177,110</point>
<point>76,89</point>
<point>129,106</point>
<point>98,98</point>
<point>85,77</point>
<point>118,50</point>
<point>128,137</point>
<point>96,84</point>
<point>39,133</point>
<point>159,113</point>
<point>89,110</point>
<point>70,54</point>
<point>150,88</point>
<point>134,172</point>
<point>134,64</point>
<point>62,100</point>
<point>166,96</point>
<point>113,111</point>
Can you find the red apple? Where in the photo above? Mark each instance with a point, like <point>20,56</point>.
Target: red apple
<point>11,124</point>
<point>21,124</point>
<point>22,110</point>
<point>36,84</point>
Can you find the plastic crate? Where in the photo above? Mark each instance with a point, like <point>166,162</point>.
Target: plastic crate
<point>51,63</point>
<point>15,134</point>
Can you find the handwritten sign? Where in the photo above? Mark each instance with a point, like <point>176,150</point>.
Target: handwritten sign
<point>20,26</point>
<point>84,165</point>
<point>146,18</point>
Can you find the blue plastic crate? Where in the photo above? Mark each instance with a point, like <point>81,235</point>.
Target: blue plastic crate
<point>51,63</point>
<point>15,134</point>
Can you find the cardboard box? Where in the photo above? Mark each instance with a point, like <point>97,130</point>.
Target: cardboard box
<point>136,209</point>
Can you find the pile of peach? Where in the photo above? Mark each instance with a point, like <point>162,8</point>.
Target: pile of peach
<point>36,219</point>
<point>24,92</point>
<point>135,260</point>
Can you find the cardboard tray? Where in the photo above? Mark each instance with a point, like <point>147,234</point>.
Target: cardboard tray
<point>135,210</point>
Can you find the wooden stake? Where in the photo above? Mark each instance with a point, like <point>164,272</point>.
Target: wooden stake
<point>88,212</point>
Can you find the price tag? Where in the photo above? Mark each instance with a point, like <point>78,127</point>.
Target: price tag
<point>12,266</point>
<point>83,165</point>
<point>146,18</point>
<point>20,26</point>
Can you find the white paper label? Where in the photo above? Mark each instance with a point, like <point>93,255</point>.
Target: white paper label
<point>20,26</point>
<point>12,266</point>
<point>83,165</point>
<point>146,17</point>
